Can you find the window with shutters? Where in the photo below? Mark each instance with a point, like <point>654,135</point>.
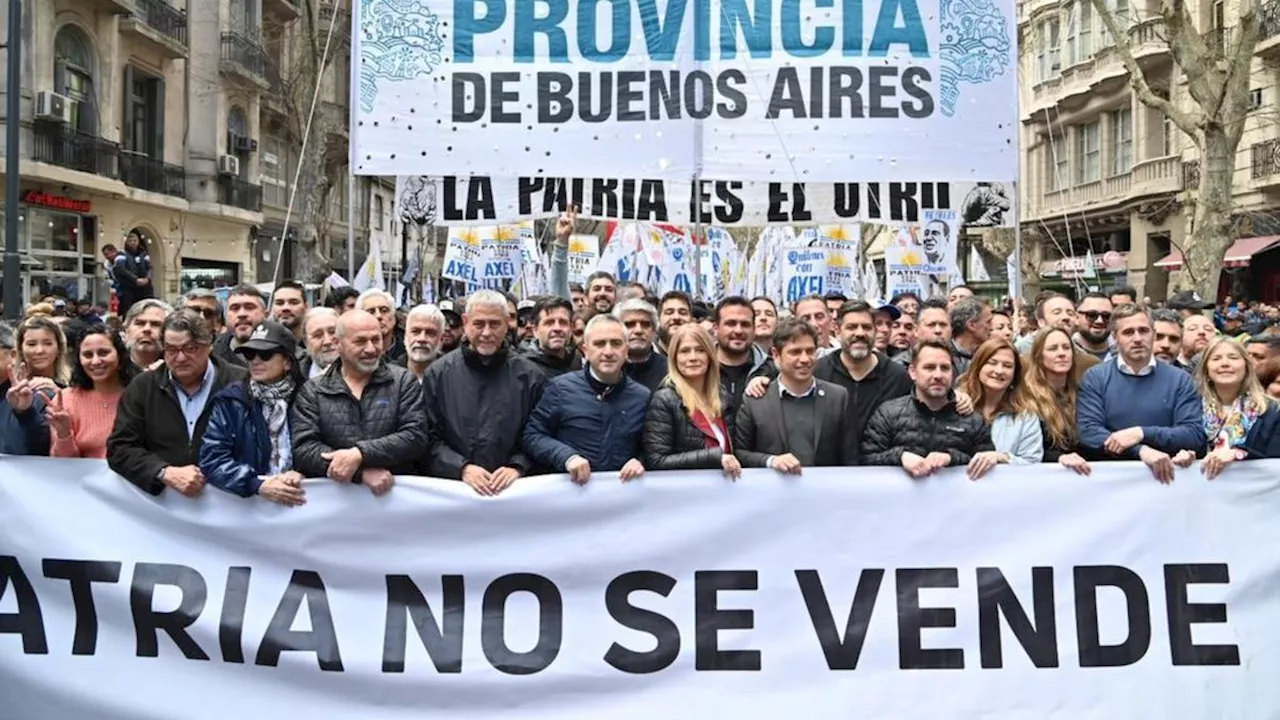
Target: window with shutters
<point>73,77</point>
<point>1088,152</point>
<point>274,171</point>
<point>143,113</point>
<point>237,128</point>
<point>1121,141</point>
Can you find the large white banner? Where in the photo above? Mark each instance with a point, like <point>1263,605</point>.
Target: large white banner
<point>485,200</point>
<point>875,90</point>
<point>846,593</point>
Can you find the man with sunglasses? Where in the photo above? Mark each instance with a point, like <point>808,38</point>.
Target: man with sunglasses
<point>203,301</point>
<point>163,412</point>
<point>1093,325</point>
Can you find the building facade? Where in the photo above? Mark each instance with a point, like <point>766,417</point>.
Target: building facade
<point>1109,181</point>
<point>146,116</point>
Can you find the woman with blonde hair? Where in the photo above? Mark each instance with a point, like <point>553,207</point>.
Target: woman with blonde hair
<point>1240,421</point>
<point>685,427</point>
<point>1050,384</point>
<point>42,354</point>
<point>994,382</point>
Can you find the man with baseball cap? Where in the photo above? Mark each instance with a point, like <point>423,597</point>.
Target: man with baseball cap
<point>524,324</point>
<point>453,325</point>
<point>885,316</point>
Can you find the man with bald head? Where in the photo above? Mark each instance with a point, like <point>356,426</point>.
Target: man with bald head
<point>363,420</point>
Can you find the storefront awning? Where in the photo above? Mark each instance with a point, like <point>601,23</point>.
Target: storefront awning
<point>1238,255</point>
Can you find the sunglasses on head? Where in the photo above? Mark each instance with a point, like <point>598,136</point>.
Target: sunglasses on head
<point>263,355</point>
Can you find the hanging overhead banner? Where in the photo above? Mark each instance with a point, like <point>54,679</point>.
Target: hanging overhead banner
<point>866,90</point>
<point>487,200</point>
<point>848,593</point>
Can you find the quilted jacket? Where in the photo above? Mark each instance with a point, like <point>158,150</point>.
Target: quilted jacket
<point>672,441</point>
<point>388,423</point>
<point>906,425</point>
<point>580,416</point>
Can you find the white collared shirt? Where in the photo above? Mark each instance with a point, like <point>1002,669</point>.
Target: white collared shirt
<point>783,391</point>
<point>1140,372</point>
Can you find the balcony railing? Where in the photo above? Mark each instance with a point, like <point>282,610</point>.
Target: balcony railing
<point>1264,159</point>
<point>244,52</point>
<point>145,173</point>
<point>163,18</point>
<point>57,144</point>
<point>237,193</point>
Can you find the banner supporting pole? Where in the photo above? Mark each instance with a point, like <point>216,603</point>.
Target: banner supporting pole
<point>12,172</point>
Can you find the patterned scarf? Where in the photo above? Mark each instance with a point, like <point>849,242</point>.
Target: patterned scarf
<point>274,399</point>
<point>1229,427</point>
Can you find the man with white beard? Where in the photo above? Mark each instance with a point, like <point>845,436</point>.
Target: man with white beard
<point>423,329</point>
<point>320,330</point>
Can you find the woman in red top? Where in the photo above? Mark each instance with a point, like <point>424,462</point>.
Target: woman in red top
<point>685,427</point>
<point>81,416</point>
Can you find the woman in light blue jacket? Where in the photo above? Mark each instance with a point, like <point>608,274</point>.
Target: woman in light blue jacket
<point>994,381</point>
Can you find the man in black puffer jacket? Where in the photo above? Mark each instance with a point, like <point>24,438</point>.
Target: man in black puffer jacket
<point>362,420</point>
<point>922,432</point>
<point>478,399</point>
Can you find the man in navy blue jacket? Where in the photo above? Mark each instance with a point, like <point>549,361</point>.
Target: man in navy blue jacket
<point>1135,407</point>
<point>593,419</point>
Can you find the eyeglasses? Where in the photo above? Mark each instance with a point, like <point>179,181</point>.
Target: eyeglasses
<point>190,350</point>
<point>1094,316</point>
<point>208,312</point>
<point>263,355</point>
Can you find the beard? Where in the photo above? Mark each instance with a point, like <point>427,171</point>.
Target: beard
<point>858,348</point>
<point>423,355</point>
<point>1095,336</point>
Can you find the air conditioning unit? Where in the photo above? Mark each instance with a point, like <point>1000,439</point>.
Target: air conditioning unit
<point>245,144</point>
<point>51,106</point>
<point>229,165</point>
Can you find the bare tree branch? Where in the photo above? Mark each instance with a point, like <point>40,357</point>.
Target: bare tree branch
<point>1189,121</point>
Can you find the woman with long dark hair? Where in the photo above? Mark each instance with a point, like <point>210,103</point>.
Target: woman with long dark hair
<point>81,415</point>
<point>246,448</point>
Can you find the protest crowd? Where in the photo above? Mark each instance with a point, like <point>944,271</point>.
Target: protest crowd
<point>254,395</point>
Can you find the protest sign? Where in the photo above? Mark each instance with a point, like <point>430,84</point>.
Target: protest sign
<point>584,255</point>
<point>804,273</point>
<point>465,200</point>
<point>848,592</point>
<point>877,90</point>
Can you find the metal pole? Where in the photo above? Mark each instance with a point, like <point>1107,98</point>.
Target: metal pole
<point>1015,285</point>
<point>12,173</point>
<point>351,225</point>
<point>697,233</point>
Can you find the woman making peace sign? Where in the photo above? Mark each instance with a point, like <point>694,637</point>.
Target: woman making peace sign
<point>81,416</point>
